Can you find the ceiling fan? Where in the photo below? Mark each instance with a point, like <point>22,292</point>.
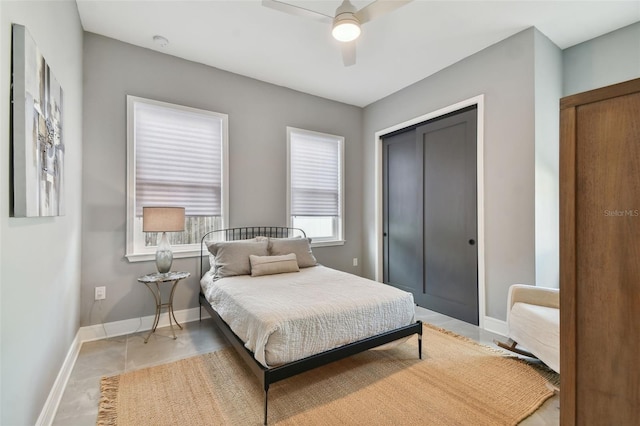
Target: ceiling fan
<point>346,22</point>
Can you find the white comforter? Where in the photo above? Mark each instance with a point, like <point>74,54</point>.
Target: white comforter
<point>286,317</point>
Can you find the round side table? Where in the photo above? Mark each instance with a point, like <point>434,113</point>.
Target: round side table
<point>158,278</point>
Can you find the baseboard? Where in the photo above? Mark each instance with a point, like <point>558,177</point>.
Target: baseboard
<point>120,328</point>
<point>97,332</point>
<point>496,326</point>
<point>50,407</point>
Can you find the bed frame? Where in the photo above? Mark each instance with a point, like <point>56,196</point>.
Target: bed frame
<point>265,375</point>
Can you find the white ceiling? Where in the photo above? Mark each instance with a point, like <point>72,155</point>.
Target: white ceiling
<point>393,51</point>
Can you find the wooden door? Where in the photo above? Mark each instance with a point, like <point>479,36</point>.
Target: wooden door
<point>600,256</point>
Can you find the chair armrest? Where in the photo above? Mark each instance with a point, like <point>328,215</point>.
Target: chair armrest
<point>542,296</point>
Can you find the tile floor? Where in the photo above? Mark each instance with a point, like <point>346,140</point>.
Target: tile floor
<point>79,405</point>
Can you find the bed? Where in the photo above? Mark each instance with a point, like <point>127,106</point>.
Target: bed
<point>284,314</point>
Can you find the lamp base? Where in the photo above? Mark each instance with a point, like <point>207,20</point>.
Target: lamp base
<point>164,256</point>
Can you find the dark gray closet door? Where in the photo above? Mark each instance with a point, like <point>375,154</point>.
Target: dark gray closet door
<point>402,210</point>
<point>450,216</point>
<point>430,213</point>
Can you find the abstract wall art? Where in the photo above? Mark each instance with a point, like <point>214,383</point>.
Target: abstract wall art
<point>36,132</point>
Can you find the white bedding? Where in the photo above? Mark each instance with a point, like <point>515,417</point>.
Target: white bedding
<point>286,317</point>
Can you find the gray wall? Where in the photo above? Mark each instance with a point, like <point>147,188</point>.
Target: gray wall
<point>608,59</point>
<point>258,116</point>
<point>548,91</point>
<point>40,257</point>
<point>3,166</point>
<point>504,73</point>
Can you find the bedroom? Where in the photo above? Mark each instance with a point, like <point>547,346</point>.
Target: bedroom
<point>63,259</point>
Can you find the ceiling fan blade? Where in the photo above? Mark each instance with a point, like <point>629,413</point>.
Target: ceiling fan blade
<point>379,8</point>
<point>296,10</point>
<point>349,53</point>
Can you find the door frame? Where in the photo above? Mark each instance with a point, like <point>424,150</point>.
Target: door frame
<point>478,101</point>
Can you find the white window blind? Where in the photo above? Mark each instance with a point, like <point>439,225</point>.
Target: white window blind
<point>315,167</point>
<point>178,159</point>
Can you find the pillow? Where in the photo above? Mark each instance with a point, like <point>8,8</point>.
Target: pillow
<point>299,246</point>
<point>269,265</point>
<point>232,257</point>
<point>212,258</point>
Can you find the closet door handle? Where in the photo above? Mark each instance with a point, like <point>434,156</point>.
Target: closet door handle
<point>472,242</point>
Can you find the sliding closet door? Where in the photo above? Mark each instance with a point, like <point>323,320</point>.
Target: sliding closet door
<point>450,216</point>
<point>430,213</point>
<point>402,222</point>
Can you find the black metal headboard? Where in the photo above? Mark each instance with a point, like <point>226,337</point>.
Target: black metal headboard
<point>246,233</point>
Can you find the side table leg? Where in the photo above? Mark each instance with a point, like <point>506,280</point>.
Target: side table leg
<point>169,305</point>
<point>171,322</point>
<point>171,312</point>
<point>156,295</point>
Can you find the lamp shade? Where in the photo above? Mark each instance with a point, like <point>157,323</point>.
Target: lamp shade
<point>162,219</point>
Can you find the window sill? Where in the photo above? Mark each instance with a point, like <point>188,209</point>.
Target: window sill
<point>327,243</point>
<point>144,257</point>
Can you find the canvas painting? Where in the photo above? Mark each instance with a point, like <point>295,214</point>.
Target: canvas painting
<point>37,144</point>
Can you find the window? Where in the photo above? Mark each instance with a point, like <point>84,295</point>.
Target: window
<point>315,199</point>
<point>176,156</point>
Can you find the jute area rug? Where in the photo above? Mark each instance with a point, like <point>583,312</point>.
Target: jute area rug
<point>458,382</point>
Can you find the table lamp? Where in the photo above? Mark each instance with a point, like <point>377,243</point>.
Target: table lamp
<point>163,219</point>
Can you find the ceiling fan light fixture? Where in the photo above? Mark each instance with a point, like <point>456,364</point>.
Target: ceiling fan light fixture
<point>346,27</point>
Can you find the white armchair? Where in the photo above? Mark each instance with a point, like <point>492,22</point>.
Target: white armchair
<point>533,320</point>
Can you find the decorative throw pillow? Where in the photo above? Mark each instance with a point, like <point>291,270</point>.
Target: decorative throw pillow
<point>269,265</point>
<point>232,257</point>
<point>301,247</point>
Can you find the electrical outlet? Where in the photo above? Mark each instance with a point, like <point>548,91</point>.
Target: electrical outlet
<point>355,261</point>
<point>101,293</point>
